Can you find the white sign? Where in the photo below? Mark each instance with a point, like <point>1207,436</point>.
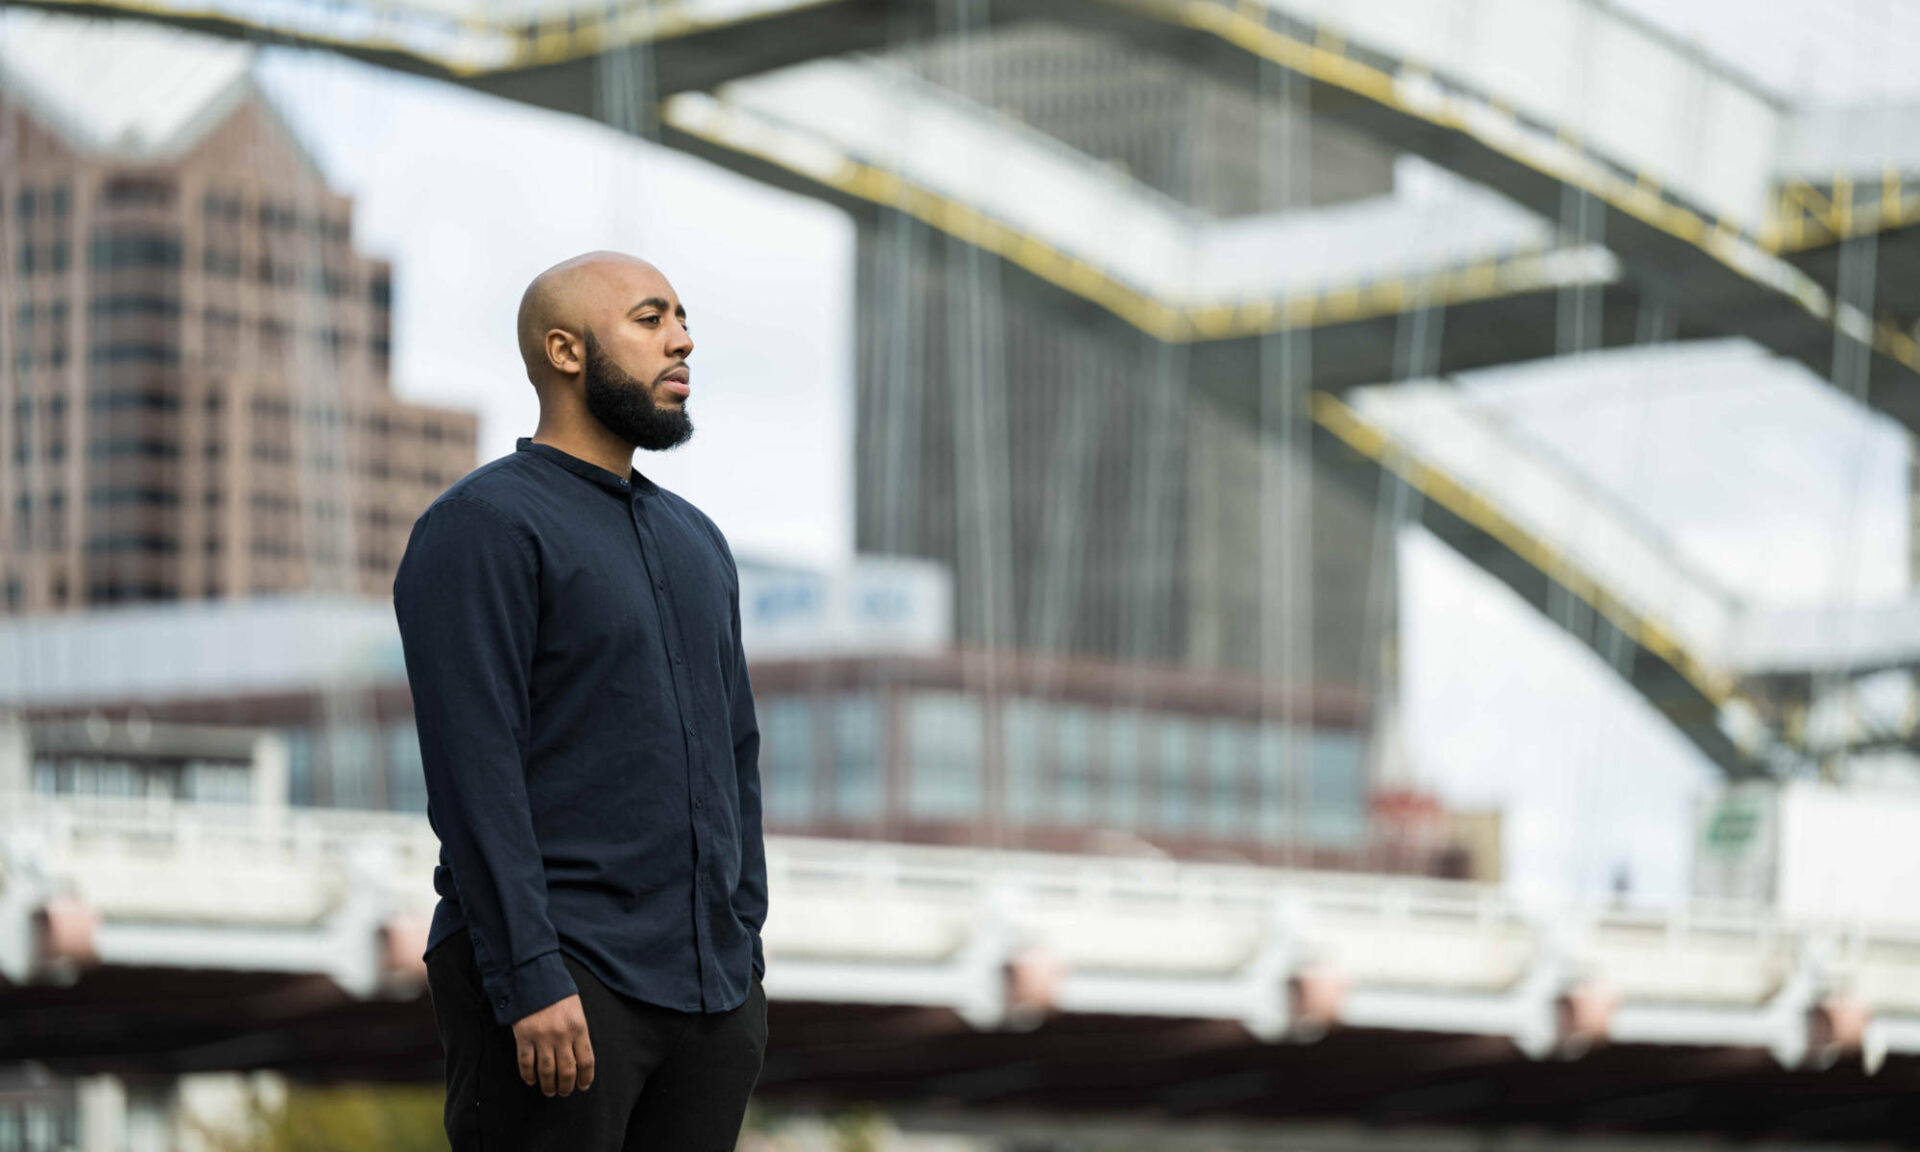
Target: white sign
<point>876,605</point>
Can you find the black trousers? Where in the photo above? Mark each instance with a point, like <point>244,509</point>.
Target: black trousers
<point>664,1080</point>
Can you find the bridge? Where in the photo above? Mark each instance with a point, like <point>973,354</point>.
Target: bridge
<point>1482,268</point>
<point>290,939</point>
<point>1724,203</point>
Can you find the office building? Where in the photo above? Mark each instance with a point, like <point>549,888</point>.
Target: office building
<point>195,385</point>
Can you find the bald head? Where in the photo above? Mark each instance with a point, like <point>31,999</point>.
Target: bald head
<point>574,295</point>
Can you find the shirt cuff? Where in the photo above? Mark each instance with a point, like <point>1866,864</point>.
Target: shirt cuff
<point>530,987</point>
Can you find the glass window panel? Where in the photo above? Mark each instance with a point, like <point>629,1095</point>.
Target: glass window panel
<point>858,743</point>
<point>1073,765</point>
<point>1223,763</point>
<point>1176,782</point>
<point>1275,797</point>
<point>406,778</point>
<point>1025,725</point>
<point>350,766</point>
<point>39,1125</point>
<point>1123,769</point>
<point>299,766</point>
<point>117,778</point>
<point>786,758</point>
<point>1338,806</point>
<point>944,732</point>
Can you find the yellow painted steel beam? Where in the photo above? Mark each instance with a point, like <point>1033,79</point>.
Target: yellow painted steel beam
<point>1752,256</point>
<point>570,35</point>
<point>1343,302</point>
<point>1368,440</point>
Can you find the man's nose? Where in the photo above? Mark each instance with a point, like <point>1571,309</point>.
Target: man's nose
<point>683,343</point>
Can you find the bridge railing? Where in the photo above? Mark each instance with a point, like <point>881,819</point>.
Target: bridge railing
<point>991,933</point>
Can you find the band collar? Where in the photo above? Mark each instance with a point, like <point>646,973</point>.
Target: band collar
<point>636,482</point>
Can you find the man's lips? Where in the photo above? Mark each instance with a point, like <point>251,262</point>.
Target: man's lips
<point>678,381</point>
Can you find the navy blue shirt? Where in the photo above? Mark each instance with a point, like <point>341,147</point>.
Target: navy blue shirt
<point>572,640</point>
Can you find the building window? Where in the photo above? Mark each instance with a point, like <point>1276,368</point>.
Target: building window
<point>1176,784</point>
<point>135,304</point>
<point>1123,769</point>
<point>133,400</point>
<point>217,783</point>
<point>1274,783</point>
<point>859,742</point>
<point>1228,816</point>
<point>136,250</point>
<point>132,543</point>
<point>133,495</point>
<point>131,190</point>
<point>277,217</point>
<point>136,352</point>
<point>300,766</point>
<point>133,447</point>
<point>349,765</point>
<point>786,759</point>
<point>113,591</point>
<point>944,736</point>
<point>406,777</point>
<point>1337,808</point>
<point>1073,768</point>
<point>1024,723</point>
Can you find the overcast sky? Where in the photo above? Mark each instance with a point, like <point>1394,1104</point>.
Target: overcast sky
<point>471,197</point>
<point>1765,478</point>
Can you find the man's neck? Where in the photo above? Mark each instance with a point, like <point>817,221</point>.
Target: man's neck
<point>601,448</point>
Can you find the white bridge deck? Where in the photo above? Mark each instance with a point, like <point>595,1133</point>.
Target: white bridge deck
<point>999,937</point>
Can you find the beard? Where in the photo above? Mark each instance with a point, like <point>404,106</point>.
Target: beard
<point>626,406</point>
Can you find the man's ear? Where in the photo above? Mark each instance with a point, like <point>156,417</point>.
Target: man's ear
<point>564,351</point>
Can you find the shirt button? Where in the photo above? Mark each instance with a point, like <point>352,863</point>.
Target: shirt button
<point>502,1002</point>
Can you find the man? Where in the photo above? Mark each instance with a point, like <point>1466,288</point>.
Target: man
<point>572,639</point>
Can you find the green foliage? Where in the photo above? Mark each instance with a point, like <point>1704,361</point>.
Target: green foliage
<point>859,1130</point>
<point>340,1118</point>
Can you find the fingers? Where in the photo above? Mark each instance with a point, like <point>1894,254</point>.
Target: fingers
<point>555,1053</point>
<point>583,1060</point>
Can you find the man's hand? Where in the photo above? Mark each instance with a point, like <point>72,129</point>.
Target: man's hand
<point>554,1047</point>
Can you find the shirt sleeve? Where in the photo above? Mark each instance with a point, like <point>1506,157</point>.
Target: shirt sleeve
<point>467,600</point>
<point>750,895</point>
